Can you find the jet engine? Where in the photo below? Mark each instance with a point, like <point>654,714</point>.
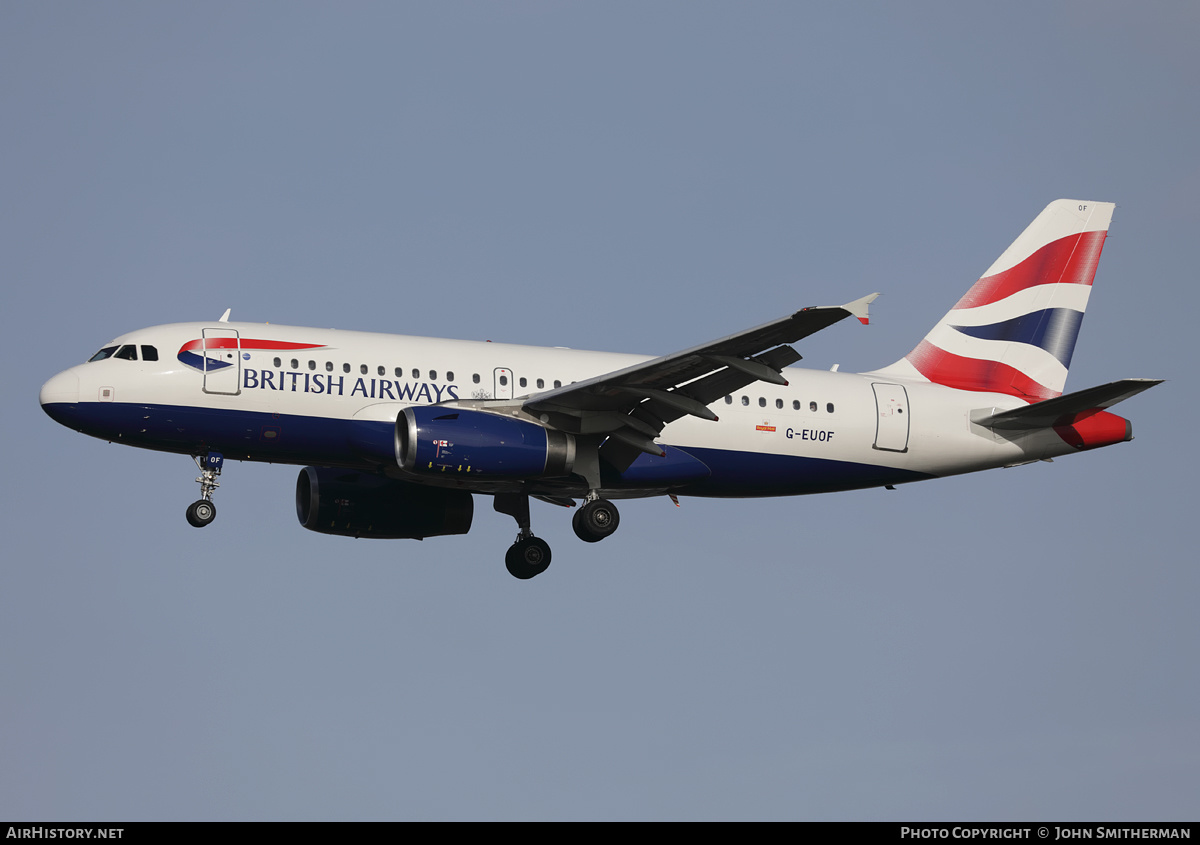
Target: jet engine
<point>431,439</point>
<point>354,504</point>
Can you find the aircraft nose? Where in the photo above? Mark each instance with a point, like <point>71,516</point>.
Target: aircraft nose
<point>58,394</point>
<point>64,387</point>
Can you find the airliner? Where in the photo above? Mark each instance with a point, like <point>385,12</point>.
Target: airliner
<point>397,435</point>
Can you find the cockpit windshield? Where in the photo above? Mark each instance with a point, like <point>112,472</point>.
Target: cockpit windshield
<point>128,352</point>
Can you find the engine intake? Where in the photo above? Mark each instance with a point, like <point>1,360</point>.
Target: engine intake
<point>431,439</point>
<point>354,504</point>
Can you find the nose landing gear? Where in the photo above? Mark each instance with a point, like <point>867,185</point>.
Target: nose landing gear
<point>201,512</point>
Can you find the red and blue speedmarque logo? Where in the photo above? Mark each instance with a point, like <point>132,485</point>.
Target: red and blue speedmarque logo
<point>188,353</point>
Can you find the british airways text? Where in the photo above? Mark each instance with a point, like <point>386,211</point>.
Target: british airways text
<point>330,385</point>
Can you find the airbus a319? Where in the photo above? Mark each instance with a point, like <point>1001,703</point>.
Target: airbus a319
<point>397,435</point>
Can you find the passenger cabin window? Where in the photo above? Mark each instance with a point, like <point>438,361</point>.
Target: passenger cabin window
<point>362,368</point>
<point>762,402</point>
<point>149,353</point>
<point>382,371</point>
<point>278,363</point>
<point>745,400</point>
<point>541,383</point>
<point>312,365</point>
<point>416,373</point>
<point>557,383</point>
<point>449,375</point>
<point>829,407</point>
<point>795,404</point>
<point>728,400</point>
<point>329,366</point>
<point>295,364</point>
<point>433,375</point>
<point>127,352</point>
<point>475,378</point>
<point>779,403</point>
<point>106,352</point>
<point>345,368</point>
<point>524,381</point>
<point>812,406</point>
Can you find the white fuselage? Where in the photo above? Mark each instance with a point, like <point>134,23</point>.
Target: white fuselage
<point>822,431</point>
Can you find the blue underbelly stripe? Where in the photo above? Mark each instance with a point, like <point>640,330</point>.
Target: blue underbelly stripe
<point>748,474</point>
<point>320,441</point>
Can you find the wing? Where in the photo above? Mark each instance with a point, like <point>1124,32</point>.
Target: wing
<point>632,406</point>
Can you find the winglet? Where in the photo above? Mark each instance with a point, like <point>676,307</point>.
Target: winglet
<point>225,316</point>
<point>859,308</point>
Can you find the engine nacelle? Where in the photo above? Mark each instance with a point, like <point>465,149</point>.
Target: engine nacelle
<point>353,504</point>
<point>432,439</point>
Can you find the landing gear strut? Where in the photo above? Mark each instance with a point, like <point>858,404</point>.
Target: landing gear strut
<point>596,518</point>
<point>201,512</point>
<point>528,555</point>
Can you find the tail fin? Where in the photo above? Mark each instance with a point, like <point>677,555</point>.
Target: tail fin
<point>1014,331</point>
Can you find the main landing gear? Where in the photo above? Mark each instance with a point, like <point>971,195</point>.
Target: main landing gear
<point>529,555</point>
<point>201,512</point>
<point>596,519</point>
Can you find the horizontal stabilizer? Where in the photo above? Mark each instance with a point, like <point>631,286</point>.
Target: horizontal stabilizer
<point>1062,408</point>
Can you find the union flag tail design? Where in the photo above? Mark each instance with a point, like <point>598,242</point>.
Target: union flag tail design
<point>1014,331</point>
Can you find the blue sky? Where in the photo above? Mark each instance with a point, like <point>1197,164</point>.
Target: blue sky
<point>1018,644</point>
